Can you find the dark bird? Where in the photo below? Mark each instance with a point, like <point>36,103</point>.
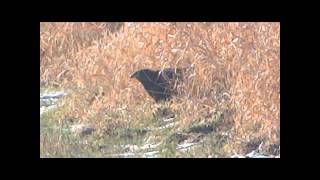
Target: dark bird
<point>160,85</point>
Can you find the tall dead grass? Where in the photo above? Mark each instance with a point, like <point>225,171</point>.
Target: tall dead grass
<point>231,67</point>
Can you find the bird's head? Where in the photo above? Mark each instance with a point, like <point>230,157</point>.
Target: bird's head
<point>141,74</point>
<point>135,75</point>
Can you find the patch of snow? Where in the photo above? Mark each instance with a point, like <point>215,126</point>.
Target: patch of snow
<point>130,147</point>
<point>167,125</point>
<point>186,146</point>
<point>254,154</point>
<point>168,120</point>
<point>54,95</point>
<point>151,154</point>
<point>150,146</point>
<point>124,155</point>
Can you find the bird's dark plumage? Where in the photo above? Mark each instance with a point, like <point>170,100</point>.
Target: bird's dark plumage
<point>160,85</point>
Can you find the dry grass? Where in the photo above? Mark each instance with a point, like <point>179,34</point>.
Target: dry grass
<point>233,68</point>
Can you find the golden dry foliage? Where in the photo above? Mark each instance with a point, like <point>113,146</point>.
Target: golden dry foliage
<point>231,67</point>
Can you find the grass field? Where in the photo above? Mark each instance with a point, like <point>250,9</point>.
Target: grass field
<point>232,85</point>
